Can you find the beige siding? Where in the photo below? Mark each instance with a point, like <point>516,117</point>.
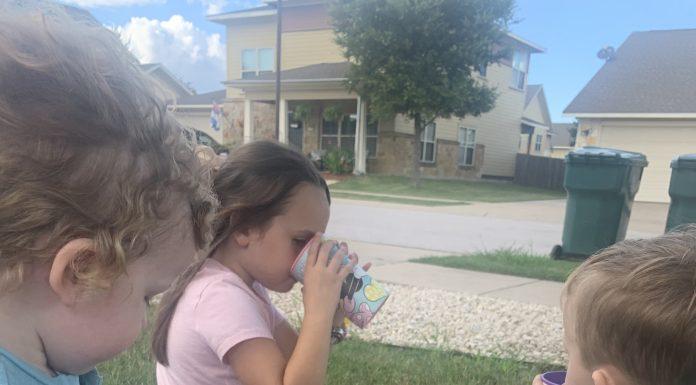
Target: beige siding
<point>659,140</point>
<point>310,47</point>
<point>498,130</point>
<point>199,120</point>
<point>257,34</point>
<point>534,111</point>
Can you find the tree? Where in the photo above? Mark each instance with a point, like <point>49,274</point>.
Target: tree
<point>573,131</point>
<point>417,57</point>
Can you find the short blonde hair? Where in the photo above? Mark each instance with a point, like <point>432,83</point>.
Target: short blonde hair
<point>635,308</point>
<point>87,150</point>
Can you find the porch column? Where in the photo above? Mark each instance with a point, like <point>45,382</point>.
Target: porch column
<point>283,122</point>
<point>248,121</point>
<point>360,142</point>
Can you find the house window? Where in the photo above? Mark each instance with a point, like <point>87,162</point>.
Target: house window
<point>372,135</point>
<point>519,69</point>
<point>256,61</point>
<point>537,143</point>
<point>428,144</point>
<point>482,70</point>
<point>467,146</point>
<point>339,134</point>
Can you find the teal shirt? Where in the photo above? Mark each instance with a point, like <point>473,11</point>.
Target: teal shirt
<point>14,371</point>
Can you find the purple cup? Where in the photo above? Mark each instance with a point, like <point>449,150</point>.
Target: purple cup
<point>553,378</point>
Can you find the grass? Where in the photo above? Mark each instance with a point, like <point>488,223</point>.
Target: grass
<point>508,262</point>
<point>465,191</point>
<point>355,362</point>
<point>417,202</point>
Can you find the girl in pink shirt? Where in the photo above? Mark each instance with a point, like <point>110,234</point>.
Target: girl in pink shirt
<point>217,325</point>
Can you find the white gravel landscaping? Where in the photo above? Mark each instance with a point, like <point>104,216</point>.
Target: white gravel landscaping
<point>456,321</point>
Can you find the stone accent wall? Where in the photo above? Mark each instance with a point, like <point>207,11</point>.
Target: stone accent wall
<point>233,124</point>
<point>263,114</point>
<point>395,151</point>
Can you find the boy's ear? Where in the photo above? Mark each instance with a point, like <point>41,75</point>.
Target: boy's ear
<point>62,276</point>
<point>608,375</point>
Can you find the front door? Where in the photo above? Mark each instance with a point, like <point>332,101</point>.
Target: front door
<point>295,133</point>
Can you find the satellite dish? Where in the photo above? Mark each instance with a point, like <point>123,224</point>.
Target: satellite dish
<point>607,53</point>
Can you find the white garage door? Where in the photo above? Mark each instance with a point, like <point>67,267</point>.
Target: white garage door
<point>660,142</point>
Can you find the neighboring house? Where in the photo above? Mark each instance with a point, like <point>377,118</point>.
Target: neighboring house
<point>644,99</point>
<point>173,87</point>
<point>535,129</point>
<point>562,139</point>
<point>194,111</point>
<point>313,74</point>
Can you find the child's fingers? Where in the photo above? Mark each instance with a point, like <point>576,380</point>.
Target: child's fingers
<point>323,256</point>
<point>347,269</point>
<point>337,260</point>
<point>313,250</point>
<point>537,381</point>
<point>367,266</point>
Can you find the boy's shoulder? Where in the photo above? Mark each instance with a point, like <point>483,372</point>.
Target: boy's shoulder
<point>14,371</point>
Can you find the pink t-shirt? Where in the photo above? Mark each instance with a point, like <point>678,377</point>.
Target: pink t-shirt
<point>217,311</point>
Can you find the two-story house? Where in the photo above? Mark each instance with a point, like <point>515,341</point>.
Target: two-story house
<point>313,71</point>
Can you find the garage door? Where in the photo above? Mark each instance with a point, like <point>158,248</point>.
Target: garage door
<point>660,143</point>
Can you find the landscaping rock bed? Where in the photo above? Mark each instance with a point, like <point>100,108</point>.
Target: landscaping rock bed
<point>456,321</point>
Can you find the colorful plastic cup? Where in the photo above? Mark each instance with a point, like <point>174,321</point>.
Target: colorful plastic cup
<point>553,378</point>
<point>362,296</point>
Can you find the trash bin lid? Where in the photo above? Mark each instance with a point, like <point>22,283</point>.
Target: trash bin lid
<point>684,161</point>
<point>607,156</point>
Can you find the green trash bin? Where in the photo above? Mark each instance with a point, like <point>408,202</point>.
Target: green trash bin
<point>682,191</point>
<point>601,185</point>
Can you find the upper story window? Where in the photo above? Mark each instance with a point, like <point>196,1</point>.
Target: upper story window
<point>519,69</point>
<point>256,61</point>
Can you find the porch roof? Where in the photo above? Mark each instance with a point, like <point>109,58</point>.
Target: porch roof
<point>315,73</point>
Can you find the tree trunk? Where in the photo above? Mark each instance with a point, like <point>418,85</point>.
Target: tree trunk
<point>418,129</point>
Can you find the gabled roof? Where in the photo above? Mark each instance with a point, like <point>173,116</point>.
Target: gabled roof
<point>205,99</point>
<point>532,90</point>
<point>536,92</point>
<point>652,73</point>
<point>151,68</point>
<point>314,72</point>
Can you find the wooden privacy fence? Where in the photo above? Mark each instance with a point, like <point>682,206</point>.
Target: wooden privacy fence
<point>539,171</point>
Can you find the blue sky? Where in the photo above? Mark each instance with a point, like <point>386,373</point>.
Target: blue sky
<point>177,33</point>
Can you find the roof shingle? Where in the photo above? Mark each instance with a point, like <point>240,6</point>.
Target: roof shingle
<point>652,72</point>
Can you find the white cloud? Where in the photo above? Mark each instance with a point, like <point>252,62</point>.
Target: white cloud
<point>113,3</point>
<point>187,51</point>
<point>219,6</point>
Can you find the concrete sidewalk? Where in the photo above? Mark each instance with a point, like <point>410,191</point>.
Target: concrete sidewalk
<point>390,264</point>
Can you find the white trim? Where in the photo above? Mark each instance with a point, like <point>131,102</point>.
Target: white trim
<point>654,115</point>
<point>248,121</point>
<point>251,82</point>
<point>283,122</point>
<point>176,107</point>
<point>526,42</point>
<point>241,15</point>
<point>533,123</point>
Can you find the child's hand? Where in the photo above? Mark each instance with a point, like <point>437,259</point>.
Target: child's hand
<point>537,381</point>
<point>340,315</point>
<point>323,279</point>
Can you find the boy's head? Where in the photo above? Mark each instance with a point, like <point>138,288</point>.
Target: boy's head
<point>630,313</point>
<point>102,200</point>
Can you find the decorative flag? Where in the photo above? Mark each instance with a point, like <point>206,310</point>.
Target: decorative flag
<point>215,116</point>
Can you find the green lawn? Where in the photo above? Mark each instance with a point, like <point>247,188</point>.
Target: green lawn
<point>356,362</point>
<point>508,262</point>
<point>417,202</point>
<point>466,191</point>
